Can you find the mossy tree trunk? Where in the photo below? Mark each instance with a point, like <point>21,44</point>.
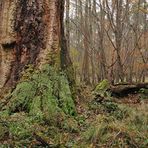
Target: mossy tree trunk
<point>34,59</point>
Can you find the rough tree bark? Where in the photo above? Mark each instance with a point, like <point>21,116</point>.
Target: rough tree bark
<point>33,53</point>
<point>34,35</point>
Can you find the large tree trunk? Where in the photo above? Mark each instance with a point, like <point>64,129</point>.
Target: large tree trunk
<point>33,52</point>
<point>30,38</point>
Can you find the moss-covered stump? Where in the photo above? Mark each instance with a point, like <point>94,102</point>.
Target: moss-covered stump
<point>42,93</point>
<point>101,93</point>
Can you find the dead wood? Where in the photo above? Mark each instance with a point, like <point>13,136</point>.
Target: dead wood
<point>121,90</point>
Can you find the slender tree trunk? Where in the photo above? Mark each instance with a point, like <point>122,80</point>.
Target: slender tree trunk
<point>102,35</point>
<point>145,41</point>
<point>118,35</point>
<point>86,63</point>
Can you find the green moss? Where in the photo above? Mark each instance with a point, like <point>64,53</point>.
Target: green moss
<point>44,94</point>
<point>50,107</point>
<point>41,99</point>
<point>69,71</point>
<point>66,101</point>
<point>20,130</point>
<point>101,89</point>
<point>21,96</point>
<point>103,85</point>
<point>35,107</point>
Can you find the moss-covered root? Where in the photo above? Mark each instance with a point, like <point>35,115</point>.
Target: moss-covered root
<point>43,93</point>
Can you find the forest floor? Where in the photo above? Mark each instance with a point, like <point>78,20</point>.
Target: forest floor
<point>113,123</point>
<point>116,122</point>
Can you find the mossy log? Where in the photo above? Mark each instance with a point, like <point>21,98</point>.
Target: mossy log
<point>121,90</point>
<point>104,89</point>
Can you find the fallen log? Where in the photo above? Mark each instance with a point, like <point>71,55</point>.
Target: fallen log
<point>121,90</point>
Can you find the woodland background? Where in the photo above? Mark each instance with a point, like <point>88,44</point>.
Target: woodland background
<point>108,39</point>
<point>74,73</point>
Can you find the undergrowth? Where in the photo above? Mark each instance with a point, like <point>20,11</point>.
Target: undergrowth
<point>47,118</point>
<point>117,125</point>
<point>41,99</point>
